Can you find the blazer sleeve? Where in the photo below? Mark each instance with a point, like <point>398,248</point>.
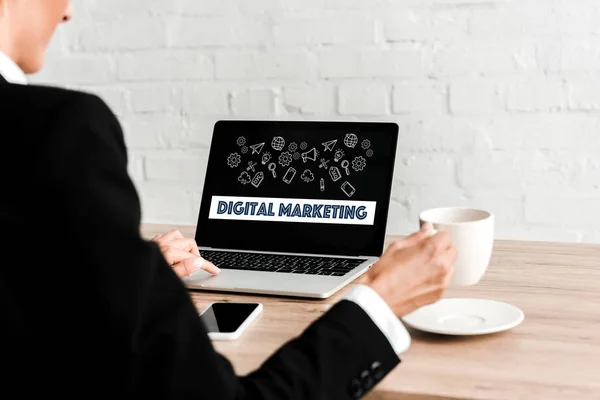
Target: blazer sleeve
<point>154,337</point>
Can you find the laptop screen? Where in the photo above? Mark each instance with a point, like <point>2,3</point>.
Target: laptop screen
<point>301,187</point>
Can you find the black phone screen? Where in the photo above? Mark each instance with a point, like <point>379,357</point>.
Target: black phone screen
<point>227,317</point>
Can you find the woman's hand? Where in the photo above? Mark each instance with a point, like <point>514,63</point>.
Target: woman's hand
<point>414,271</point>
<point>182,254</point>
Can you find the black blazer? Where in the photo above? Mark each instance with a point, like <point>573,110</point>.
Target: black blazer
<point>89,308</point>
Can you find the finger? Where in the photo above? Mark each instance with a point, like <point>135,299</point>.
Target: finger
<point>172,234</point>
<point>440,265</point>
<point>174,255</point>
<point>189,266</point>
<point>180,270</point>
<point>409,241</point>
<point>427,227</point>
<point>155,238</point>
<point>208,266</point>
<point>438,242</point>
<point>185,244</point>
<point>447,260</point>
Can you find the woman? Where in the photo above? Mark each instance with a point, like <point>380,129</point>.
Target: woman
<point>90,308</point>
<point>22,49</point>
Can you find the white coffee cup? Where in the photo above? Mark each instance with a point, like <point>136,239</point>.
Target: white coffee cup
<point>472,234</point>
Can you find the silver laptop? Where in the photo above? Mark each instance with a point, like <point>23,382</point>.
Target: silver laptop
<point>294,208</point>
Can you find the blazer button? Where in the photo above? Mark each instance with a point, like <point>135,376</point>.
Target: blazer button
<point>377,371</point>
<point>356,390</point>
<point>367,380</point>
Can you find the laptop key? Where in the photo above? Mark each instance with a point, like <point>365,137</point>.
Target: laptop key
<point>339,270</point>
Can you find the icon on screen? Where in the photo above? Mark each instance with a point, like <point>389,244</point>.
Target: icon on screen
<point>289,175</point>
<point>335,174</point>
<point>258,178</point>
<point>310,155</point>
<point>329,145</point>
<point>348,189</point>
<point>257,148</point>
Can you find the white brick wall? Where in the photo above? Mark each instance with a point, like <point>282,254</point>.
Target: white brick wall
<point>498,101</point>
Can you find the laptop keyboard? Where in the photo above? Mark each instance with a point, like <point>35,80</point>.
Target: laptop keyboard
<point>312,265</point>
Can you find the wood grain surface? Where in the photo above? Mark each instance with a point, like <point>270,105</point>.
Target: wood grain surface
<point>553,354</point>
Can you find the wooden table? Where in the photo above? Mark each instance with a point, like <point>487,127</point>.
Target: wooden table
<point>553,354</point>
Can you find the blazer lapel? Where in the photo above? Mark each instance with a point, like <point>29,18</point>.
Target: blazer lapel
<point>2,80</point>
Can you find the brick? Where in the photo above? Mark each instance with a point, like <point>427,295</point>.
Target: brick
<point>419,198</point>
<point>152,131</point>
<point>167,204</point>
<point>398,220</point>
<point>483,58</point>
<point>152,98</point>
<point>468,2</point>
<point>203,8</point>
<point>406,25</point>
<point>135,166</point>
<point>569,55</point>
<point>583,94</point>
<point>398,63</point>
<point>532,94</point>
<point>508,208</point>
<point>253,102</point>
<point>211,32</point>
<point>125,34</point>
<point>117,9</point>
<point>197,133</point>
<point>312,31</point>
<point>544,131</point>
<point>518,169</point>
<point>164,65</point>
<point>291,65</point>
<point>424,169</point>
<point>416,97</point>
<point>77,70</point>
<point>443,133</point>
<point>566,210</point>
<point>587,180</point>
<point>311,6</point>
<point>363,98</point>
<point>591,237</point>
<point>227,7</point>
<point>528,19</point>
<point>178,166</point>
<point>309,99</point>
<point>202,100</point>
<point>578,19</point>
<point>475,97</point>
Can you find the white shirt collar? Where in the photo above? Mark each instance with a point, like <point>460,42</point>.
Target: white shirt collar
<point>11,71</point>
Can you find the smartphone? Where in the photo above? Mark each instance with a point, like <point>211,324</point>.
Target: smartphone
<point>227,321</point>
<point>289,175</point>
<point>348,189</point>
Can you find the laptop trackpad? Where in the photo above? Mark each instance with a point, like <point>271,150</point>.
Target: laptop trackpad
<point>237,279</point>
<point>229,279</point>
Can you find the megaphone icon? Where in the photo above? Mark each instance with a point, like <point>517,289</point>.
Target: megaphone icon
<point>310,155</point>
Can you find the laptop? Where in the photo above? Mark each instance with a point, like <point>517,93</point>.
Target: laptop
<point>294,208</point>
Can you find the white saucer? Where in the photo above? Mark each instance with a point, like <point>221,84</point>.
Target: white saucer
<point>465,317</point>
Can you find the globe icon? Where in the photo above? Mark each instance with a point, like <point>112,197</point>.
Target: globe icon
<point>278,143</point>
<point>351,140</point>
